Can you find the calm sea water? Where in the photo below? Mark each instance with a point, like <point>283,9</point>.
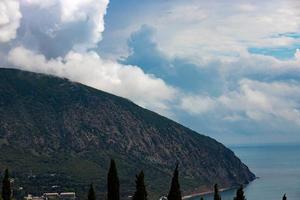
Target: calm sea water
<point>278,168</point>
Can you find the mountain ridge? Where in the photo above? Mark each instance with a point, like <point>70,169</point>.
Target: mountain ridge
<point>58,124</point>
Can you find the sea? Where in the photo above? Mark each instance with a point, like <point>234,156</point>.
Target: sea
<point>278,169</point>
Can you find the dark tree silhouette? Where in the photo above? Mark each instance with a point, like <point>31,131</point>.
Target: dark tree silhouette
<point>113,182</point>
<point>216,193</point>
<point>284,197</point>
<point>175,193</point>
<point>201,198</point>
<point>6,189</point>
<point>240,194</point>
<point>140,193</point>
<point>91,195</point>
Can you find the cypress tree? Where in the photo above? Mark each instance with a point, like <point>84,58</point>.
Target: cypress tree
<point>140,193</point>
<point>91,195</point>
<point>113,182</point>
<point>240,194</point>
<point>6,189</point>
<point>216,194</point>
<point>175,193</point>
<point>284,197</point>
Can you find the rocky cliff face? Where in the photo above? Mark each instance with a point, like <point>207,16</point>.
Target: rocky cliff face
<point>56,132</point>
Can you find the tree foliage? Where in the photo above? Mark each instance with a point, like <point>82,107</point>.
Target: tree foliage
<point>91,195</point>
<point>140,193</point>
<point>284,197</point>
<point>113,182</point>
<point>175,193</point>
<point>240,194</point>
<point>216,193</point>
<point>6,188</point>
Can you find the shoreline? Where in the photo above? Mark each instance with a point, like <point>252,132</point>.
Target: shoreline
<point>211,191</point>
<point>206,193</point>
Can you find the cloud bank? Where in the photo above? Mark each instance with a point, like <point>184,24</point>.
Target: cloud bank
<point>235,66</point>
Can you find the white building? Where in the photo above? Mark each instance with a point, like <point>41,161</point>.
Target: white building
<point>67,196</point>
<point>53,196</point>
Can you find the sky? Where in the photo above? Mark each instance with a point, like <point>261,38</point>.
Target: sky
<point>229,69</point>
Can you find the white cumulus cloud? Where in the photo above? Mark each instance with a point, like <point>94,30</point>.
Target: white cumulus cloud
<point>90,12</point>
<point>10,16</point>
<point>254,100</point>
<point>88,68</point>
<point>197,104</point>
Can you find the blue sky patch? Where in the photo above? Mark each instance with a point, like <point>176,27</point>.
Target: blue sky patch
<point>282,53</point>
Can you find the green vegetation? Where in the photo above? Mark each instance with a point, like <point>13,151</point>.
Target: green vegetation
<point>140,193</point>
<point>175,193</point>
<point>113,185</point>
<point>91,195</point>
<point>284,197</point>
<point>217,196</point>
<point>240,194</point>
<point>6,190</point>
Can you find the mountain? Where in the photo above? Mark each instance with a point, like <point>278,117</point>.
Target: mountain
<point>57,135</point>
